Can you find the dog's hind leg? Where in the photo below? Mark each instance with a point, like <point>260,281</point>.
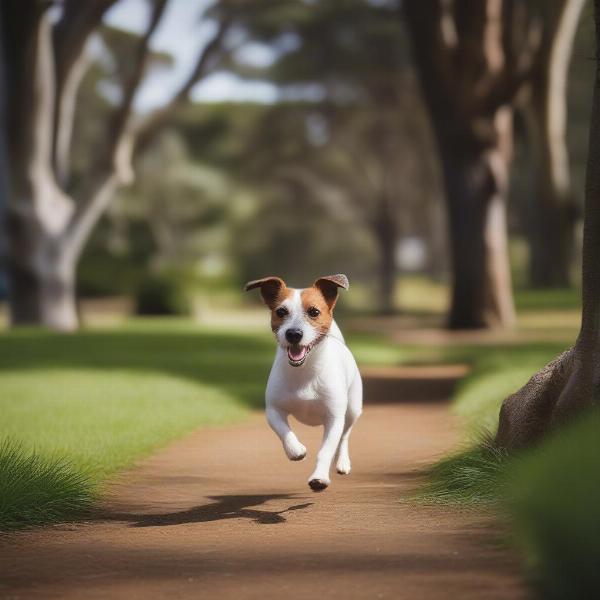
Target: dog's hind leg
<point>343,465</point>
<point>279,424</point>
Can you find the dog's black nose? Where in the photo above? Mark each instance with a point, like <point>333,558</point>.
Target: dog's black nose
<point>293,336</point>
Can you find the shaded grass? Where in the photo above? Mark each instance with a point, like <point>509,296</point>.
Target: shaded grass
<point>474,476</point>
<point>37,489</point>
<point>80,407</point>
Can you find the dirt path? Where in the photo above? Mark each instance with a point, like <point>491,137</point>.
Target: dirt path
<point>222,514</point>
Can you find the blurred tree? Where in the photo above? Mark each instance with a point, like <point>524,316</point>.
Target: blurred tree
<point>472,59</point>
<point>349,60</point>
<point>179,199</point>
<point>568,384</point>
<point>371,167</point>
<point>46,60</point>
<point>551,223</point>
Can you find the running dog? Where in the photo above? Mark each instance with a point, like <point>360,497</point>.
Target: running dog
<point>314,376</point>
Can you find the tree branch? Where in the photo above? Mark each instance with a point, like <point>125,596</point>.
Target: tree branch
<point>114,165</point>
<point>121,118</point>
<point>78,21</point>
<point>146,130</point>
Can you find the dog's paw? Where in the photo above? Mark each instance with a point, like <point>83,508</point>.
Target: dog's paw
<point>343,465</point>
<point>318,484</point>
<point>295,451</point>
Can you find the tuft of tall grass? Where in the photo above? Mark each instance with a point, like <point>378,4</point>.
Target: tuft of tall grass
<point>474,476</point>
<point>36,489</point>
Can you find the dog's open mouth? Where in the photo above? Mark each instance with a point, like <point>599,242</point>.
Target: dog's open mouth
<point>297,354</point>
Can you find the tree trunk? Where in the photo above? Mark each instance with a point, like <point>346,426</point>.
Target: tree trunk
<point>469,78</point>
<point>386,236</point>
<point>41,270</point>
<point>571,382</point>
<point>476,179</point>
<point>42,280</point>
<point>551,227</point>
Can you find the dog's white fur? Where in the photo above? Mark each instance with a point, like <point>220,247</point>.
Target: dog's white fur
<point>325,390</point>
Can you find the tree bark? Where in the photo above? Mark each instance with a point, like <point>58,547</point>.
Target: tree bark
<point>463,52</point>
<point>42,276</point>
<point>476,180</point>
<point>552,222</point>
<point>570,383</point>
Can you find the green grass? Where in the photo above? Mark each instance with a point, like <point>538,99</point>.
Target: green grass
<point>38,489</point>
<point>90,404</point>
<point>78,408</point>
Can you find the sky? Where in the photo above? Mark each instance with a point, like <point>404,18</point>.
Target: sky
<point>182,33</point>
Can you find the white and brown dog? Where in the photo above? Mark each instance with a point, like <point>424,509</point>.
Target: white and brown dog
<point>314,376</point>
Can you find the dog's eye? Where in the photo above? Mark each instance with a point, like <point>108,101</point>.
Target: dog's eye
<point>313,312</point>
<point>281,312</point>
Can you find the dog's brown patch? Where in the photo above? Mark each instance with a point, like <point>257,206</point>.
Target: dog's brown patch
<point>312,297</point>
<point>284,294</point>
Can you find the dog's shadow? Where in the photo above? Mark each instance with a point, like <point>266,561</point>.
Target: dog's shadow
<point>222,507</point>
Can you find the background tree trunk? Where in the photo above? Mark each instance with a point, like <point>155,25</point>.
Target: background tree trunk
<point>476,179</point>
<point>41,277</point>
<point>386,235</point>
<point>551,227</point>
<point>466,61</point>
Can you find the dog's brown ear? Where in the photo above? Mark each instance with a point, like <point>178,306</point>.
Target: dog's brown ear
<point>270,288</point>
<point>328,286</point>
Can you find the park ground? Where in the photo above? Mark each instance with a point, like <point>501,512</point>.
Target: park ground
<point>222,507</point>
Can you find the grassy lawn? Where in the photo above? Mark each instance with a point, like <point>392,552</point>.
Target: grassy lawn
<point>78,408</point>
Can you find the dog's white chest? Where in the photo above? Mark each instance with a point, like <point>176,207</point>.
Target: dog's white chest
<point>307,403</point>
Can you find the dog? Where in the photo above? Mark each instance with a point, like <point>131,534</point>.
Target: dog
<point>314,376</point>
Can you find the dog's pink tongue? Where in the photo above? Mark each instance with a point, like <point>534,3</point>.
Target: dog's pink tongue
<point>296,354</point>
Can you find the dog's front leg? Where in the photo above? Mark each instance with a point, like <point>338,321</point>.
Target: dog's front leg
<point>278,421</point>
<point>332,433</point>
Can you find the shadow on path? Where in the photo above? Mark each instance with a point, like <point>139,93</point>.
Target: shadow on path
<point>223,507</point>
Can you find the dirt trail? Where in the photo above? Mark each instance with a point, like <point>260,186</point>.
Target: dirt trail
<point>223,514</point>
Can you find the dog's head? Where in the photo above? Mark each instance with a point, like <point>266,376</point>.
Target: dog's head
<point>300,318</point>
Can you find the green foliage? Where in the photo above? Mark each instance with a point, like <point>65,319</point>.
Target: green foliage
<point>37,489</point>
<point>555,501</point>
<point>163,294</point>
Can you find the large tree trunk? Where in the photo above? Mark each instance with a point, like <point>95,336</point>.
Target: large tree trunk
<point>476,179</point>
<point>571,382</point>
<point>462,51</point>
<point>551,227</point>
<point>41,272</point>
<point>42,276</point>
